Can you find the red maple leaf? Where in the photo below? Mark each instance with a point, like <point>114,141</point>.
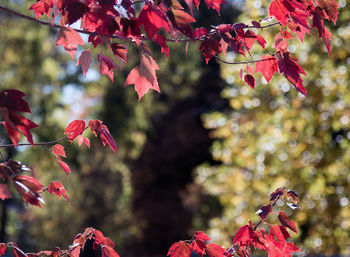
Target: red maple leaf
<point>58,150</point>
<point>64,166</point>
<point>81,139</point>
<point>152,20</point>
<point>289,67</point>
<point>277,245</point>
<point>75,128</point>
<point>209,48</point>
<point>200,235</point>
<point>84,60</point>
<point>42,7</point>
<point>119,51</point>
<point>264,211</point>
<point>161,40</point>
<point>11,102</point>
<point>143,76</point>
<point>181,21</point>
<point>267,67</point>
<point>250,80</point>
<point>245,236</point>
<point>69,39</point>
<point>55,187</point>
<point>2,248</point>
<point>28,188</point>
<point>179,249</point>
<point>107,66</point>
<point>215,4</point>
<point>108,251</point>
<point>4,192</point>
<point>96,127</point>
<point>286,222</point>
<point>18,252</point>
<point>293,195</point>
<point>214,250</point>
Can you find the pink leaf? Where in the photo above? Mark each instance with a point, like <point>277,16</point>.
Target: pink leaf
<point>55,187</point>
<point>143,76</point>
<point>85,61</point>
<point>69,39</point>
<point>107,66</point>
<point>58,150</point>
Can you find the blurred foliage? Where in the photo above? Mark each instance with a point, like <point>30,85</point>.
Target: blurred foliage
<point>273,137</point>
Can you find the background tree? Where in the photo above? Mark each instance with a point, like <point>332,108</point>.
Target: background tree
<point>270,137</point>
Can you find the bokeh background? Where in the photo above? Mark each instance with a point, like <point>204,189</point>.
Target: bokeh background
<point>203,155</point>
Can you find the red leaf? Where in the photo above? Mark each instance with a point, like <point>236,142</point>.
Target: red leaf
<point>55,187</point>
<point>294,196</point>
<point>74,129</point>
<point>42,7</point>
<point>250,80</point>
<point>198,33</point>
<point>160,40</point>
<point>107,66</point>
<point>286,222</point>
<point>267,67</point>
<point>198,247</point>
<point>96,127</point>
<point>326,40</point>
<point>181,21</point>
<point>277,245</point>
<point>69,39</point>
<point>29,189</point>
<point>64,166</point>
<point>179,249</point>
<point>108,252</point>
<point>200,235</point>
<point>215,4</point>
<point>119,51</point>
<point>244,237</point>
<point>330,7</point>
<point>2,248</point>
<point>85,61</point>
<point>214,250</point>
<point>264,211</point>
<point>81,139</point>
<point>283,10</point>
<point>143,76</point>
<point>58,150</point>
<point>13,100</point>
<point>209,48</point>
<point>4,193</point>
<point>278,193</point>
<point>289,67</point>
<point>152,20</point>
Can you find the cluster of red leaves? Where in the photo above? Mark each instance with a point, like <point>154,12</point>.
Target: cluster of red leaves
<point>92,241</point>
<point>27,187</point>
<point>275,240</point>
<point>115,24</point>
<point>11,102</point>
<point>198,245</point>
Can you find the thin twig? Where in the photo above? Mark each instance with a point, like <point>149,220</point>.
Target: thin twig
<point>41,143</point>
<point>242,62</point>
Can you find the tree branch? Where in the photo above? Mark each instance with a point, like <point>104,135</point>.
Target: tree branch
<point>45,23</point>
<point>41,143</point>
<point>242,62</point>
